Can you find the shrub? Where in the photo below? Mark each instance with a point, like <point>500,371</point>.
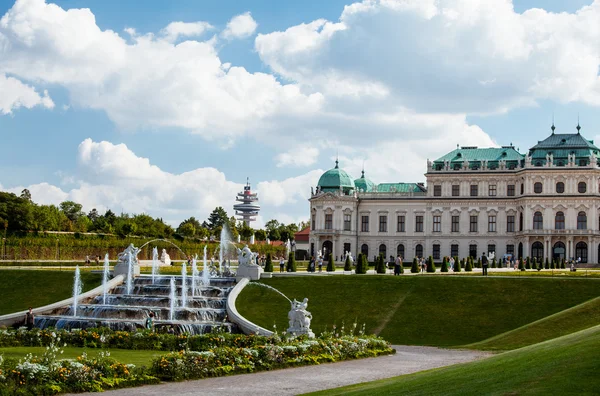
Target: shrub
<point>522,264</point>
<point>456,264</point>
<point>380,265</point>
<point>469,265</point>
<point>553,264</point>
<point>528,264</point>
<point>291,264</point>
<point>415,266</point>
<point>348,264</point>
<point>444,264</point>
<point>562,263</point>
<point>359,264</point>
<point>330,263</point>
<point>478,262</point>
<point>430,264</point>
<point>547,265</point>
<point>402,267</point>
<point>534,264</point>
<point>494,263</point>
<point>269,263</point>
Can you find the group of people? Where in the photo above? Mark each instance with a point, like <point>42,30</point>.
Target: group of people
<point>88,260</point>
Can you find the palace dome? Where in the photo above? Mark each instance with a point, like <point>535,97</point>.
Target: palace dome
<point>335,178</point>
<point>365,185</point>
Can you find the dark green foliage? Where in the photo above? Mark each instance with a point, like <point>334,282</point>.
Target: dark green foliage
<point>359,264</point>
<point>547,265</point>
<point>330,263</point>
<point>380,265</point>
<point>348,264</point>
<point>444,264</point>
<point>269,263</point>
<point>562,263</point>
<point>478,262</point>
<point>430,264</point>
<point>457,264</point>
<point>415,266</point>
<point>534,264</point>
<point>469,265</point>
<point>291,264</point>
<point>528,264</point>
<point>553,264</point>
<point>494,263</point>
<point>522,264</point>
<point>365,264</point>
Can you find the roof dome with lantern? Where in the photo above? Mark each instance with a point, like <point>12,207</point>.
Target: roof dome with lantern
<point>364,185</point>
<point>336,178</point>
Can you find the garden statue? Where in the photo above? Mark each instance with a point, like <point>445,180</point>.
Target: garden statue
<point>247,266</point>
<point>246,257</point>
<point>123,260</point>
<point>165,258</point>
<point>123,257</point>
<point>300,318</point>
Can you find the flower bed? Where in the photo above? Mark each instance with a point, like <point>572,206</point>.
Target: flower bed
<point>208,355</point>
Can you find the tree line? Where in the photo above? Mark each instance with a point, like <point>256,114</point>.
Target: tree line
<point>20,213</point>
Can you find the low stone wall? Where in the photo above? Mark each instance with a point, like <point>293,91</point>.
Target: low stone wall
<point>234,316</point>
<point>17,317</point>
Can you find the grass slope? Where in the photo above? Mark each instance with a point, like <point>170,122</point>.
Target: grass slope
<point>569,321</point>
<point>127,356</point>
<point>434,310</point>
<point>23,288</point>
<point>565,365</point>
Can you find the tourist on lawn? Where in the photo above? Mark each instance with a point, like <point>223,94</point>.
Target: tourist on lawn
<point>484,264</point>
<point>397,265</point>
<point>29,319</point>
<point>320,263</point>
<point>451,262</point>
<point>311,264</point>
<point>281,264</point>
<point>150,321</point>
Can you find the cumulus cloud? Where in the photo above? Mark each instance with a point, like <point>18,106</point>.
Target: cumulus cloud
<point>239,27</point>
<point>175,30</point>
<point>298,156</point>
<point>14,94</point>
<point>111,176</point>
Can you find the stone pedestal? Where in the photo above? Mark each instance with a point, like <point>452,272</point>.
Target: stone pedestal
<point>252,272</point>
<point>298,332</point>
<point>266,275</point>
<point>123,269</point>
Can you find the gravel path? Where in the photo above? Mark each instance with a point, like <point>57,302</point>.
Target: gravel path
<point>293,381</point>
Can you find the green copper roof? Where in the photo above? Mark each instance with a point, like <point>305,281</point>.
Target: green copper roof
<point>475,156</point>
<point>561,145</point>
<point>400,187</point>
<point>335,178</point>
<point>364,184</point>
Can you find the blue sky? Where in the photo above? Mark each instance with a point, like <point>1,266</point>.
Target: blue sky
<point>380,85</point>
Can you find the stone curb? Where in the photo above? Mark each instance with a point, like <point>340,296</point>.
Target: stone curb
<point>234,316</point>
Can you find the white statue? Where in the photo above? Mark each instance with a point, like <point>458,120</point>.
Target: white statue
<point>246,257</point>
<point>123,257</point>
<point>300,318</point>
<point>165,258</point>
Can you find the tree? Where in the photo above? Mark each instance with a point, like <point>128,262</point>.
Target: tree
<point>93,215</point>
<point>380,264</point>
<point>72,210</point>
<point>562,262</point>
<point>469,265</point>
<point>26,195</point>
<point>547,264</point>
<point>260,235</point>
<point>478,262</point>
<point>330,263</point>
<point>528,264</point>
<point>291,264</point>
<point>534,264</point>
<point>268,263</point>
<point>347,264</point>
<point>217,218</point>
<point>494,263</point>
<point>552,265</point>
<point>430,265</point>
<point>415,266</point>
<point>110,217</point>
<point>359,263</point>
<point>444,264</point>
<point>127,228</point>
<point>522,265</point>
<point>456,264</point>
<point>233,229</point>
<point>245,230</point>
<point>186,229</point>
<point>274,235</point>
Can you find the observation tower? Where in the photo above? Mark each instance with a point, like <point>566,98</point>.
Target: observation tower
<point>248,206</point>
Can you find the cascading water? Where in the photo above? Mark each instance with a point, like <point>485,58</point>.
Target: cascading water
<point>76,289</point>
<point>194,276</point>
<point>129,273</point>
<point>172,300</point>
<point>105,276</point>
<point>269,287</point>
<point>224,244</point>
<point>288,248</point>
<point>184,291</point>
<point>205,270</point>
<point>154,264</point>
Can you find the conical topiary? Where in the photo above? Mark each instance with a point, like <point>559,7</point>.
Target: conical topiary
<point>291,264</point>
<point>269,263</point>
<point>380,265</point>
<point>415,266</point>
<point>348,264</point>
<point>359,264</point>
<point>457,265</point>
<point>553,264</point>
<point>430,265</point>
<point>479,262</point>
<point>562,263</point>
<point>547,264</point>
<point>534,264</point>
<point>444,264</point>
<point>330,263</point>
<point>528,264</point>
<point>494,262</point>
<point>469,265</point>
<point>522,264</point>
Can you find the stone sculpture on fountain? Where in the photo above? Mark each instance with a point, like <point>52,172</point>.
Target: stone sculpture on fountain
<point>247,267</point>
<point>299,319</point>
<point>122,266</point>
<point>165,258</point>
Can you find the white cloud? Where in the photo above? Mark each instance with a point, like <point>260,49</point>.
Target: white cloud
<point>298,155</point>
<point>289,191</point>
<point>14,94</point>
<point>240,26</point>
<point>175,30</point>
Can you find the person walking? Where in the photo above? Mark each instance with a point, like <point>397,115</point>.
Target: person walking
<point>451,262</point>
<point>320,263</point>
<point>484,264</point>
<point>29,319</point>
<point>311,264</point>
<point>397,265</point>
<point>281,264</point>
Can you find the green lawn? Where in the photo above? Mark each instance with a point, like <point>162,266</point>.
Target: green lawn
<point>23,288</point>
<point>565,365</point>
<point>569,321</point>
<point>126,356</point>
<point>418,310</point>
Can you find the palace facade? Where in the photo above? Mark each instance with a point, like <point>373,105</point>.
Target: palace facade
<point>543,204</point>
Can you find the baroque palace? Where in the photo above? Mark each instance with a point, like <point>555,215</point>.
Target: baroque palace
<point>543,204</point>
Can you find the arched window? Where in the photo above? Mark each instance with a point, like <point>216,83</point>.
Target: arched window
<point>521,222</point>
<point>559,251</point>
<point>560,187</point>
<point>559,221</point>
<point>537,250</point>
<point>400,250</point>
<point>419,250</point>
<point>581,221</point>
<point>364,249</point>
<point>581,252</point>
<point>383,250</point>
<point>537,188</point>
<point>520,251</point>
<point>522,189</point>
<point>582,187</point>
<point>538,221</point>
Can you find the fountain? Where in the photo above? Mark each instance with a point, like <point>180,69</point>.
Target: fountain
<point>129,272</point>
<point>194,275</point>
<point>205,270</point>
<point>223,245</point>
<point>288,248</point>
<point>76,290</point>
<point>126,307</point>
<point>183,285</point>
<point>172,299</point>
<point>105,275</point>
<point>154,264</point>
<point>247,267</point>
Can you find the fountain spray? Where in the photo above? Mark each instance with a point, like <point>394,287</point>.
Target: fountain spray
<point>129,273</point>
<point>77,286</point>
<point>184,285</point>
<point>194,275</point>
<point>154,264</point>
<point>205,271</point>
<point>172,298</point>
<point>105,275</point>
